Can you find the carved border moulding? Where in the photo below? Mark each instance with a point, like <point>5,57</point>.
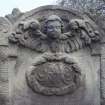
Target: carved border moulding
<point>54,75</point>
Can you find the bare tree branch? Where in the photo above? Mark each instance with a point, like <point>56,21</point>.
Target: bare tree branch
<point>91,6</point>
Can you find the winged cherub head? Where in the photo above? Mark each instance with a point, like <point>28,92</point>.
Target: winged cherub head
<point>54,26</point>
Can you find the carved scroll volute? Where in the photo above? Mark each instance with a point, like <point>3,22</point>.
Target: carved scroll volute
<point>54,75</point>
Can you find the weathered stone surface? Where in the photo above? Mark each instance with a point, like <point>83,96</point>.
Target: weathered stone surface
<point>103,74</point>
<point>54,75</point>
<point>45,58</point>
<point>14,16</point>
<point>80,34</point>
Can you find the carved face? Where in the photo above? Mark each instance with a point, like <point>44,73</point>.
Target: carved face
<point>73,25</point>
<point>54,29</point>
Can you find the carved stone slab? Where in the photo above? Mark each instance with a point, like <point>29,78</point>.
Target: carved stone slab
<point>48,57</point>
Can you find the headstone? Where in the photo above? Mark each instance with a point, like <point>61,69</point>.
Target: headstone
<point>52,57</point>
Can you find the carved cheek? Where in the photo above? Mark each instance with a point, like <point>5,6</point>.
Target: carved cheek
<point>50,30</point>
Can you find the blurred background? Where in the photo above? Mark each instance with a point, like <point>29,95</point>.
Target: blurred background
<point>93,8</point>
<point>90,6</point>
<point>6,6</point>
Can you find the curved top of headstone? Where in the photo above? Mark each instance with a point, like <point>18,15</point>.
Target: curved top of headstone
<point>14,16</point>
<point>45,11</point>
<point>54,7</point>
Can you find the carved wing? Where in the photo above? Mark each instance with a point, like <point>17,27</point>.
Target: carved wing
<point>28,34</point>
<point>82,33</point>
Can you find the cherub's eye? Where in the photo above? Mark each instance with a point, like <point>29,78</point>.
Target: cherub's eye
<point>50,27</point>
<point>90,31</point>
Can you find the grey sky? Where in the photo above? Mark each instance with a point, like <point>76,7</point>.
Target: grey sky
<point>6,6</point>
